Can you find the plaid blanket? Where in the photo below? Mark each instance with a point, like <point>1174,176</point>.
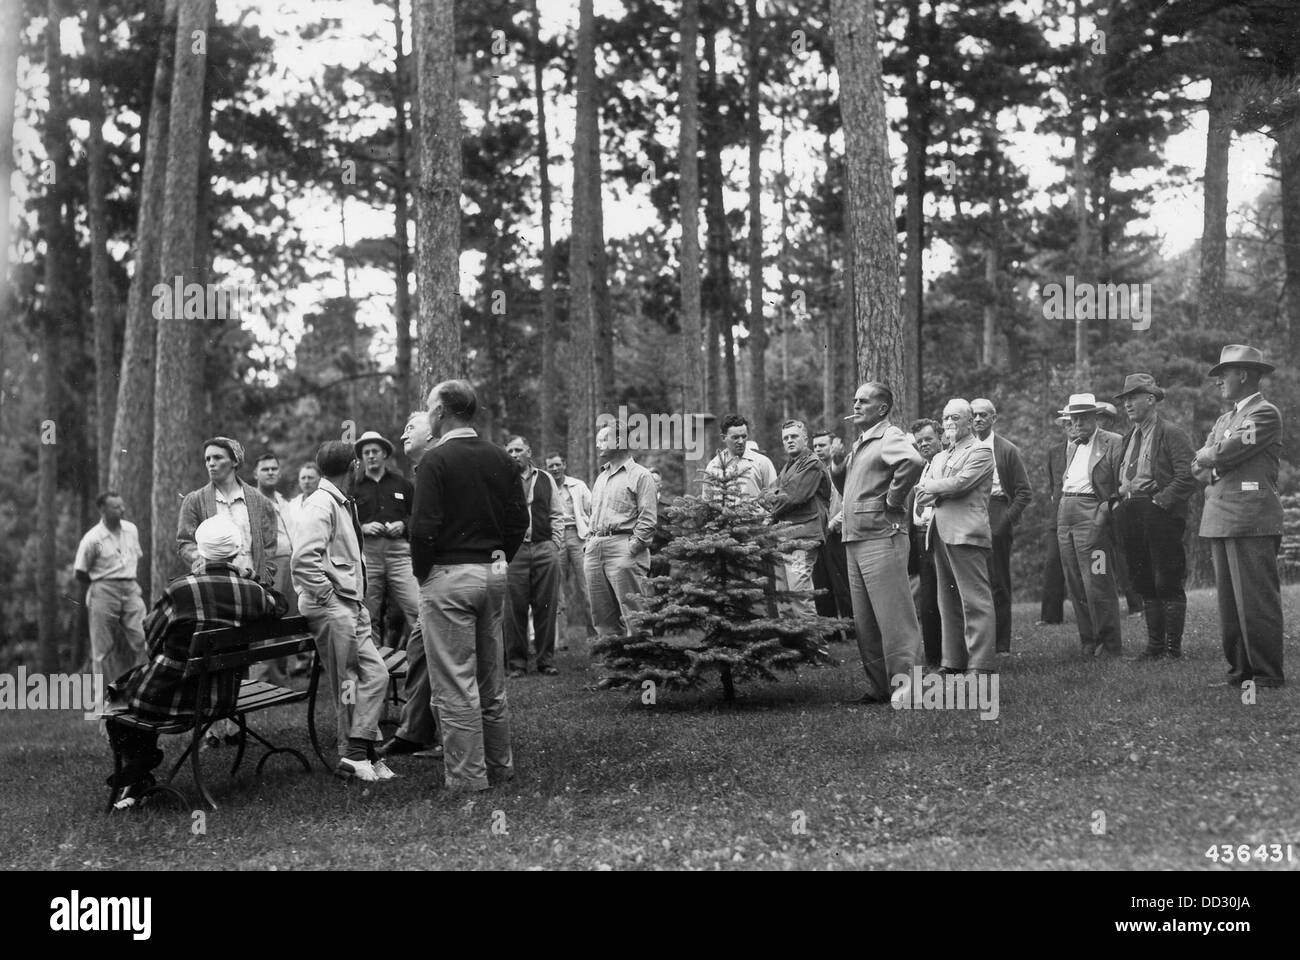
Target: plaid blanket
<point>216,598</point>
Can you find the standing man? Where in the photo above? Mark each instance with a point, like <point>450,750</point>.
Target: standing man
<point>1108,419</point>
<point>107,563</point>
<point>925,592</point>
<point>1010,496</point>
<point>752,471</point>
<point>329,573</point>
<point>624,512</point>
<point>384,506</point>
<point>266,471</point>
<point>575,501</point>
<point>831,572</point>
<point>880,471</point>
<point>417,733</point>
<point>533,580</point>
<point>308,481</point>
<point>468,522</point>
<point>1083,528</point>
<point>1155,484</point>
<point>1052,608</point>
<point>956,486</point>
<point>803,495</point>
<point>1242,518</point>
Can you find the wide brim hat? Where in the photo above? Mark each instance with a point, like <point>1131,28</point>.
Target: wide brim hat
<point>1107,409</point>
<point>1080,403</point>
<point>372,436</point>
<point>1240,355</point>
<point>1140,383</point>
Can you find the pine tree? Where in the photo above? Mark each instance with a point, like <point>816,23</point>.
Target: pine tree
<point>716,610</point>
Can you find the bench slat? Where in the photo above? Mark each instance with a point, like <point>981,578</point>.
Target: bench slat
<point>242,657</point>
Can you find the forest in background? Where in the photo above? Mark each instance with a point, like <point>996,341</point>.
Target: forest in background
<point>751,286</point>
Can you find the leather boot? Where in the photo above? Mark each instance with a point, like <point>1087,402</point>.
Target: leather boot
<point>1153,611</point>
<point>1175,617</point>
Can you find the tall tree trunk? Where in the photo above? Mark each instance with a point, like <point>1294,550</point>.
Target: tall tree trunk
<point>56,317</point>
<point>1080,196</point>
<point>100,283</point>
<point>1288,148</point>
<point>869,194</point>
<point>717,290</point>
<point>1214,229</point>
<point>11,22</point>
<point>401,231</point>
<point>582,326</point>
<point>758,413</point>
<point>688,193</point>
<point>787,289</point>
<point>917,140</point>
<point>831,359</point>
<point>131,465</point>
<point>177,419</point>
<point>991,246</point>
<point>549,372</point>
<point>437,199</point>
<point>602,307</point>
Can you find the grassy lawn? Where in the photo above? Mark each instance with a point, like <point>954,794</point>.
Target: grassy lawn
<point>604,782</point>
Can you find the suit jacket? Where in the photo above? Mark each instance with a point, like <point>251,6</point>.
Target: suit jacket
<point>1171,466</point>
<point>1103,465</point>
<point>263,521</point>
<point>329,552</point>
<point>1241,498</point>
<point>959,484</point>
<point>882,467</point>
<point>1014,477</point>
<point>1056,474</point>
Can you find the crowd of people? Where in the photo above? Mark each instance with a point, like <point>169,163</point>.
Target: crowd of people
<point>489,559</point>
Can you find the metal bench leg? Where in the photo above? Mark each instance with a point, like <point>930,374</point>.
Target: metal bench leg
<point>198,768</point>
<point>312,692</point>
<point>243,740</point>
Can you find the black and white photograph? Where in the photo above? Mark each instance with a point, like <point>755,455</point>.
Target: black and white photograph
<point>652,435</point>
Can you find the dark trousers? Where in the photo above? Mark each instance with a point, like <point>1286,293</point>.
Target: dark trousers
<point>1250,607</point>
<point>925,593</point>
<point>1000,571</point>
<point>139,751</point>
<point>1052,609</point>
<point>532,581</point>
<point>1152,541</point>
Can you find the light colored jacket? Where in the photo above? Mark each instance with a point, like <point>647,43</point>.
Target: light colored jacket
<point>1241,497</point>
<point>880,471</point>
<point>581,496</point>
<point>327,554</point>
<point>959,482</point>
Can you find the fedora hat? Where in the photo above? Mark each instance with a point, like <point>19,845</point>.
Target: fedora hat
<point>1140,383</point>
<point>1240,355</point>
<point>372,436</point>
<point>1080,403</point>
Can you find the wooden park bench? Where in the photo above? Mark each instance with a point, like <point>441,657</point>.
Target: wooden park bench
<point>233,648</point>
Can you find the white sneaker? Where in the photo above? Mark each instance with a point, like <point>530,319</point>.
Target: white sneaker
<point>358,769</point>
<point>382,771</point>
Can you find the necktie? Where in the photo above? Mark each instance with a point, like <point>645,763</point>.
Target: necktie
<point>1131,458</point>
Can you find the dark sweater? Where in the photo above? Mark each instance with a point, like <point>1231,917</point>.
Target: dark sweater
<point>469,505</point>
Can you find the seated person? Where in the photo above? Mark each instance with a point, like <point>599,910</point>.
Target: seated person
<point>218,595</point>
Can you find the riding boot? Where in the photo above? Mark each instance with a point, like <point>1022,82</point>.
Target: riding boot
<point>1175,617</point>
<point>1153,611</point>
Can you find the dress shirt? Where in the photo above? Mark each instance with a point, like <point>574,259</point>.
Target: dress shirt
<point>1077,478</point>
<point>997,490</point>
<point>754,471</point>
<point>623,500</point>
<point>1139,450</point>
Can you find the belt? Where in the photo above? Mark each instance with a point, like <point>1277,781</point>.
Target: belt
<point>1137,496</point>
<point>606,532</point>
<point>1000,496</point>
<point>1082,496</point>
